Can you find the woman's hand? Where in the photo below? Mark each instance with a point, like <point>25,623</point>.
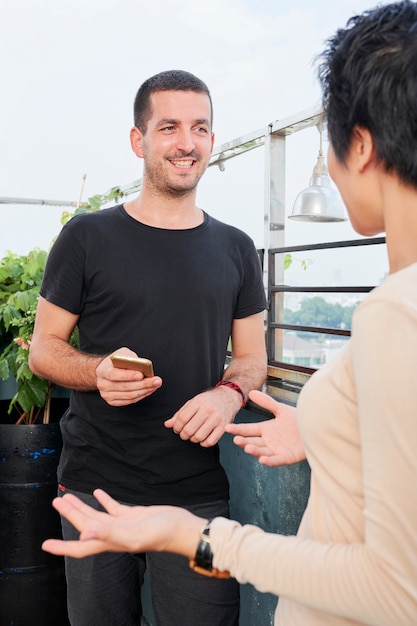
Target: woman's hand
<point>125,528</point>
<point>275,441</point>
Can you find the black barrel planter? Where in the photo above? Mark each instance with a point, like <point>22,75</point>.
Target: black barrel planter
<point>32,582</point>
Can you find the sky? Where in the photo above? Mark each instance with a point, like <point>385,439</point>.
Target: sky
<point>70,70</point>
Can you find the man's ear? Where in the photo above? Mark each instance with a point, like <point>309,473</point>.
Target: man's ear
<point>362,147</point>
<point>136,141</point>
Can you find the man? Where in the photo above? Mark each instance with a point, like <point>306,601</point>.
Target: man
<point>158,278</point>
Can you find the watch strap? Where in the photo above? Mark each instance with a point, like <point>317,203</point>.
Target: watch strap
<point>203,560</point>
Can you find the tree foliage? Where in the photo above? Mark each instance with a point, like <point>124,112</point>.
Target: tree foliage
<point>318,312</point>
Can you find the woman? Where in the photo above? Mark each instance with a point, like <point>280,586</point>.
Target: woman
<point>354,559</point>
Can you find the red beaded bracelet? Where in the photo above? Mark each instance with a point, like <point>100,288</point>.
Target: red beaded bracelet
<point>232,385</point>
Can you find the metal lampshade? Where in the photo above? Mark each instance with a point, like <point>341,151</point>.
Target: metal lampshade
<point>319,202</point>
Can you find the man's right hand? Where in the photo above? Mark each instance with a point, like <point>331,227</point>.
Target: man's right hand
<point>120,387</point>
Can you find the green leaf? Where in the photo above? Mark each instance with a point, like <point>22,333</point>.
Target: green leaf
<point>31,393</point>
<point>287,261</point>
<point>4,369</point>
<point>23,300</point>
<point>11,316</point>
<point>23,372</point>
<point>95,202</point>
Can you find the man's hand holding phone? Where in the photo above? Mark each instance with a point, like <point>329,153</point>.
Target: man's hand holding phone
<point>123,378</point>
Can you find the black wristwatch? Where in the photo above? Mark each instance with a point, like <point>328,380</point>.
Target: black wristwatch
<point>203,560</point>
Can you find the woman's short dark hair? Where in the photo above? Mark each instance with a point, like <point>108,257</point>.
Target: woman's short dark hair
<point>171,80</point>
<point>368,74</point>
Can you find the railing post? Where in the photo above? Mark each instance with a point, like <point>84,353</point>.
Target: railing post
<point>274,233</point>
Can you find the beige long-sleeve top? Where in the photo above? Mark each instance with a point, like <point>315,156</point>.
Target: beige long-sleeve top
<point>354,559</point>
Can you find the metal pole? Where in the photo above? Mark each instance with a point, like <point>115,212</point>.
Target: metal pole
<point>275,234</point>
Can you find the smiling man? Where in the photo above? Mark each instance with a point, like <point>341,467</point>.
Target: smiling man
<point>159,278</point>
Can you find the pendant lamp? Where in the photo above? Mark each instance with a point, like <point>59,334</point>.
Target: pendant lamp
<point>319,202</point>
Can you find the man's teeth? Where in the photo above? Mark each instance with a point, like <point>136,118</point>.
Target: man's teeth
<point>183,164</point>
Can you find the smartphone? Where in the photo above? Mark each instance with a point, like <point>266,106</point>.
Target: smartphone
<point>133,363</point>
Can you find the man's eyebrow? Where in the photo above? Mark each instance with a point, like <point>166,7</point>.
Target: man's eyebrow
<point>203,121</point>
<point>167,120</point>
<point>172,121</point>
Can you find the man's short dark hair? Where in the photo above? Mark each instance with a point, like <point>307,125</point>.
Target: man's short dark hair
<point>171,80</point>
<point>368,74</point>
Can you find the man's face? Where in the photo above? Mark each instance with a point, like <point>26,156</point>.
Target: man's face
<point>177,143</point>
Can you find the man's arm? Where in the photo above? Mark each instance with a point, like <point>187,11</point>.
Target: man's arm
<point>51,357</point>
<point>203,418</point>
<point>248,368</point>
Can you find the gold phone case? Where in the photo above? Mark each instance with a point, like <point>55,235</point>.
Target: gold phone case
<point>133,363</point>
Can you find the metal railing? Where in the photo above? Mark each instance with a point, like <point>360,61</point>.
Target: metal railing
<point>286,379</point>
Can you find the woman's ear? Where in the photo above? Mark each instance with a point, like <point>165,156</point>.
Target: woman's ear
<point>362,148</point>
<point>136,140</point>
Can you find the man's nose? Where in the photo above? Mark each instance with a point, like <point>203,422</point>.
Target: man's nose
<point>185,141</point>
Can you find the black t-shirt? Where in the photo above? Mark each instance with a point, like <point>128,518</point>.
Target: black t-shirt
<point>171,296</point>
